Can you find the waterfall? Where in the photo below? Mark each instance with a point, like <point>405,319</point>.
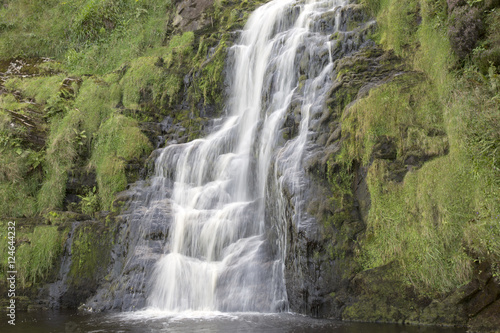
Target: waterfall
<point>219,254</point>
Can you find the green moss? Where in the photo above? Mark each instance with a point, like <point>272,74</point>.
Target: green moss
<point>179,47</point>
<point>405,110</point>
<point>118,141</point>
<point>356,67</point>
<point>173,85</point>
<point>208,87</point>
<point>90,253</point>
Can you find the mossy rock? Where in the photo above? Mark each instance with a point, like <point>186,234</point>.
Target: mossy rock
<point>383,297</point>
<point>91,253</point>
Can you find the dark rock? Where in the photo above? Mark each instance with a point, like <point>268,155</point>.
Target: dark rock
<point>79,183</point>
<point>488,320</point>
<point>488,294</point>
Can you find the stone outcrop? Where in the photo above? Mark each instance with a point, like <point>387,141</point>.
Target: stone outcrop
<point>190,15</point>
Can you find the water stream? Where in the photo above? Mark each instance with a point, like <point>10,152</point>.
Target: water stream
<point>218,256</point>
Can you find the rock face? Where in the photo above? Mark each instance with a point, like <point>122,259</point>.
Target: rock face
<point>190,15</point>
<point>321,226</point>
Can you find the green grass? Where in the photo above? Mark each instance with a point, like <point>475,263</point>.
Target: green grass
<point>402,17</point>
<point>37,251</point>
<point>91,128</point>
<point>113,59</point>
<point>60,157</point>
<point>90,35</point>
<point>40,89</point>
<point>420,223</point>
<point>95,102</point>
<point>141,78</point>
<point>406,111</point>
<point>18,199</point>
<point>19,165</point>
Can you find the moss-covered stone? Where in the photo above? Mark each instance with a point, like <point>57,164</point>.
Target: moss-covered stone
<point>90,255</point>
<point>384,298</point>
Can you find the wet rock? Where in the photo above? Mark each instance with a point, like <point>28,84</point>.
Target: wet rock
<point>142,228</point>
<point>488,320</point>
<point>80,179</point>
<point>481,292</point>
<point>353,16</point>
<point>153,132</point>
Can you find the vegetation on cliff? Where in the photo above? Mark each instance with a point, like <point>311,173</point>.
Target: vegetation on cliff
<point>445,214</point>
<point>113,64</point>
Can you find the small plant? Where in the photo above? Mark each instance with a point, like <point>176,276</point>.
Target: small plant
<point>11,142</point>
<point>80,137</point>
<point>89,203</point>
<point>55,106</point>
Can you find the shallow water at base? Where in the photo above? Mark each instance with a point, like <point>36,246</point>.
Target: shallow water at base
<point>205,322</point>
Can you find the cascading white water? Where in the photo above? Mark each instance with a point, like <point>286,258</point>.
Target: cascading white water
<point>218,256</point>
